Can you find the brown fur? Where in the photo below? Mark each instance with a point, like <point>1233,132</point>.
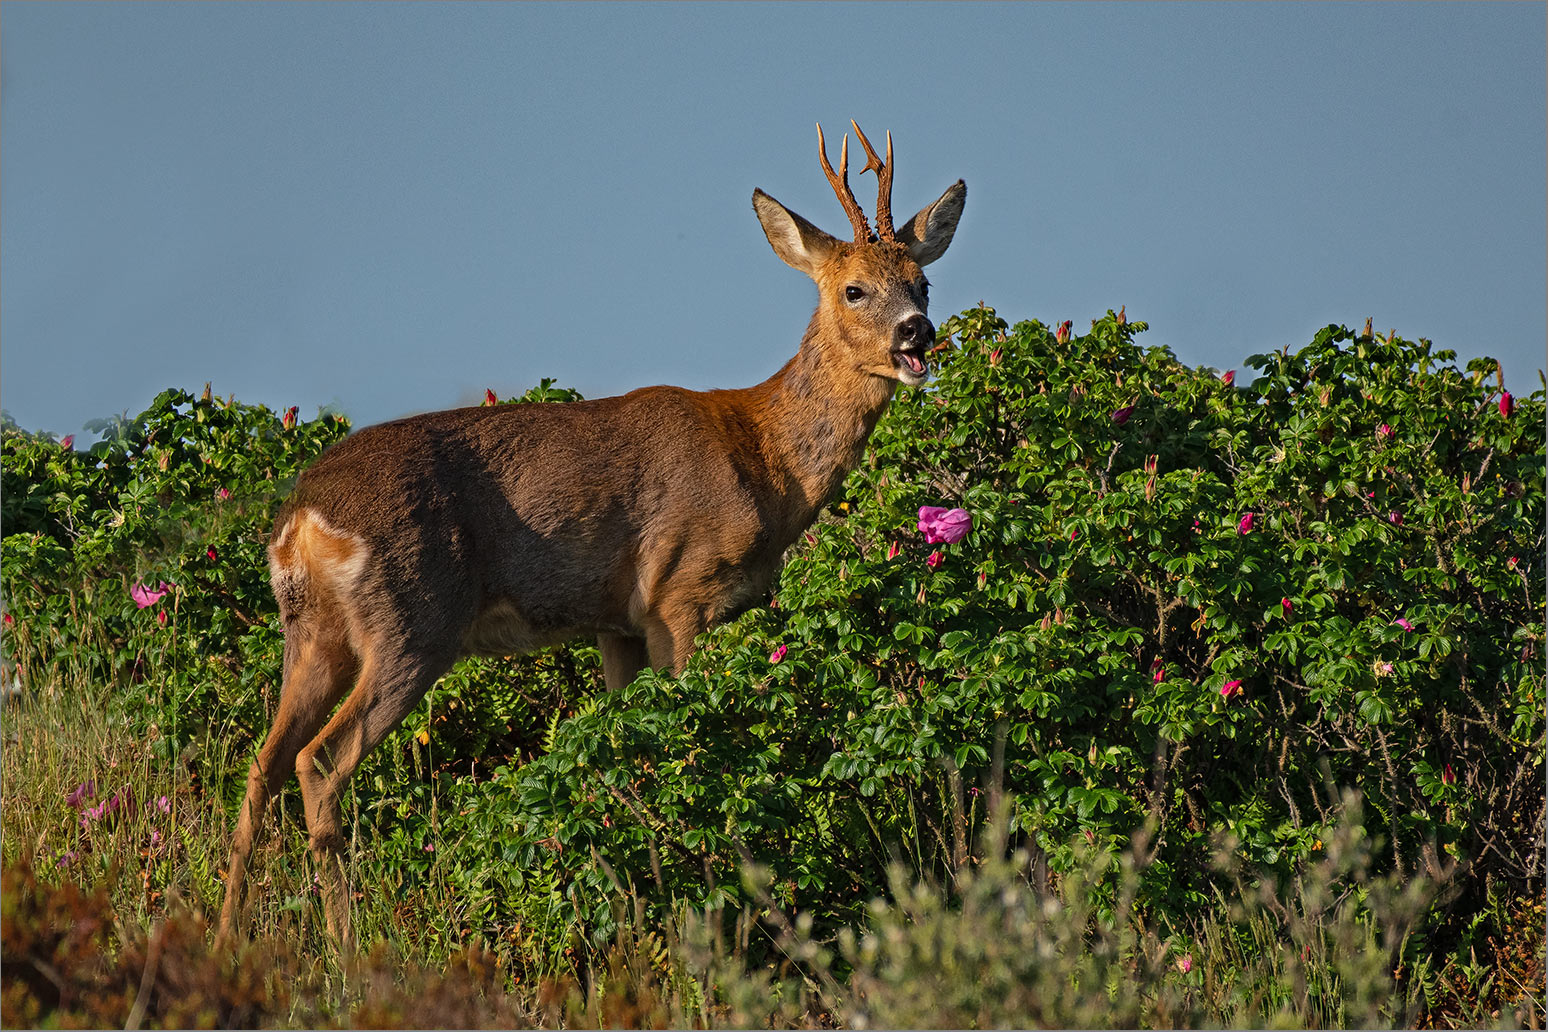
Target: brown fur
<point>641,519</point>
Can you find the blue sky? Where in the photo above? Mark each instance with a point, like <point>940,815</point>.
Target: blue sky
<point>387,208</point>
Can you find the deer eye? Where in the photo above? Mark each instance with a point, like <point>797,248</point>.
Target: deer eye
<point>853,293</point>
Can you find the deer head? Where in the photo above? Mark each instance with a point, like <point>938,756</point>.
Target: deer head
<point>872,292</point>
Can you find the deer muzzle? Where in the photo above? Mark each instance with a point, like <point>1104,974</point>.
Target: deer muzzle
<point>911,341</point>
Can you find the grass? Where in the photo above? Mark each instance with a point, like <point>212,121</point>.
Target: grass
<point>105,924</point>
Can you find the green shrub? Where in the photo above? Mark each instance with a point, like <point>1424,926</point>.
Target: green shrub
<point>1114,641</point>
<point>1184,603</point>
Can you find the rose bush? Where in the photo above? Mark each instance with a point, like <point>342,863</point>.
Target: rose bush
<point>1074,579</point>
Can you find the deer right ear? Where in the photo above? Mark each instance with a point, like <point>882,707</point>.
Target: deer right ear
<point>798,243</point>
<point>928,233</point>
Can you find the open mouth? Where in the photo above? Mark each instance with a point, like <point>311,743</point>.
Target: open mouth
<point>910,363</point>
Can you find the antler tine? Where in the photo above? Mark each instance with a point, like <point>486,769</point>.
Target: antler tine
<point>840,184</point>
<point>883,172</point>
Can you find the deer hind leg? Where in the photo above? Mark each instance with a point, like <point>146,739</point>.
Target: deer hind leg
<point>319,668</point>
<point>392,681</point>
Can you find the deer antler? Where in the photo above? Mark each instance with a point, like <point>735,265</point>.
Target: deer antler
<point>840,184</point>
<point>883,172</point>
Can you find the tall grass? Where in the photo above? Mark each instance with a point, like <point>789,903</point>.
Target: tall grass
<point>90,800</point>
<point>987,948</point>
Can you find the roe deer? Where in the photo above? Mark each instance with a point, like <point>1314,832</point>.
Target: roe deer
<point>641,519</point>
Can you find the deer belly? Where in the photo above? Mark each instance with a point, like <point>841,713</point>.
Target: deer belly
<point>500,630</point>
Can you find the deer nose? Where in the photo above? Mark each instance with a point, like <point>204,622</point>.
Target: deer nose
<point>915,332</point>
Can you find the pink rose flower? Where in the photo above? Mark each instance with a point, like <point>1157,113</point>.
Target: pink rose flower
<point>144,596</point>
<point>778,654</point>
<point>1230,688</point>
<point>943,526</point>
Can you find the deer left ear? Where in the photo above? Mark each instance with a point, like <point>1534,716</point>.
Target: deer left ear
<point>929,233</point>
<point>798,243</point>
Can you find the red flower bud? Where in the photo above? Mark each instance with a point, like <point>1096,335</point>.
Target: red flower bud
<point>489,396</point>
<point>994,357</point>
<point>288,421</point>
<point>67,442</point>
<point>1063,333</point>
<point>1229,378</point>
<point>1507,404</point>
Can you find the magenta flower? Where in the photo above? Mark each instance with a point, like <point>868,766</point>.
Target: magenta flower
<point>1245,526</point>
<point>80,793</point>
<point>778,654</point>
<point>164,804</point>
<point>1185,965</point>
<point>1288,607</point>
<point>943,526</point>
<point>212,554</point>
<point>1507,404</point>
<point>893,550</point>
<point>1160,675</point>
<point>161,617</point>
<point>1384,432</point>
<point>1403,624</point>
<point>1121,416</point>
<point>1394,517</point>
<point>144,596</point>
<point>1229,378</point>
<point>67,442</point>
<point>934,560</point>
<point>222,494</point>
<point>1230,688</point>
<point>1448,776</point>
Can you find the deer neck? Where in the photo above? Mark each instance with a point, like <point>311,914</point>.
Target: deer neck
<point>817,416</point>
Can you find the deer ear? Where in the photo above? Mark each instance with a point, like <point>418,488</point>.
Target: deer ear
<point>798,243</point>
<point>928,234</point>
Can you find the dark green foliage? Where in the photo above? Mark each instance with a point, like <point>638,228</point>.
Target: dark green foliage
<point>1068,656</point>
<point>1072,650</point>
